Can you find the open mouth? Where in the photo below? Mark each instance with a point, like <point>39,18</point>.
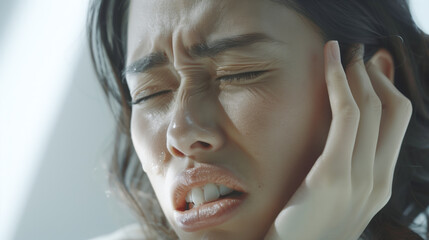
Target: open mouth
<point>206,196</point>
<point>231,195</point>
<point>194,217</point>
<point>210,192</point>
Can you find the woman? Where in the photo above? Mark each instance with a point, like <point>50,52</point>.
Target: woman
<point>243,120</point>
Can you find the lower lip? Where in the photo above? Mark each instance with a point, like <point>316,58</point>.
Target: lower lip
<point>207,215</point>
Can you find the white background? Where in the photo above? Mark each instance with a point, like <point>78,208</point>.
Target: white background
<point>55,126</point>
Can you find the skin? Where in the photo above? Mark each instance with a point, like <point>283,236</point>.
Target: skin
<point>268,131</point>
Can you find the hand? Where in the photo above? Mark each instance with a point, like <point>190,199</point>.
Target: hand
<point>352,179</point>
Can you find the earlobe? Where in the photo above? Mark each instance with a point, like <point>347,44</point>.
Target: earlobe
<point>383,61</point>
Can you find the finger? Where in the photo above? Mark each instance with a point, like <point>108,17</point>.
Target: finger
<point>397,110</point>
<point>369,123</point>
<point>336,156</point>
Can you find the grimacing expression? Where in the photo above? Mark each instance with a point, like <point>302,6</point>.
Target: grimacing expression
<point>238,85</point>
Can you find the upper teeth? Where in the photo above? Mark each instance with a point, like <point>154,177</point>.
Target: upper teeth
<point>207,193</point>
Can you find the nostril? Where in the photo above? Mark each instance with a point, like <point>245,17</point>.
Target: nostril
<point>202,145</point>
<point>176,152</point>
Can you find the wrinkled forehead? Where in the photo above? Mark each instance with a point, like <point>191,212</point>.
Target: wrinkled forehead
<point>166,15</point>
<point>153,23</point>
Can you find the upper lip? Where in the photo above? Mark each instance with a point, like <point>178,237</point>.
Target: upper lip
<point>198,177</point>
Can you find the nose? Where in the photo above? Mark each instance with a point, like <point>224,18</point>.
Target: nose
<point>194,128</point>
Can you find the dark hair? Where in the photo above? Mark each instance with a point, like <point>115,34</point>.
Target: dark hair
<point>382,24</point>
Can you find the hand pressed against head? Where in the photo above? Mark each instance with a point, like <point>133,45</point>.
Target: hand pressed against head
<point>238,85</point>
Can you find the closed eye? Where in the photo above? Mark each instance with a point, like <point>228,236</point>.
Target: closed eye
<point>137,101</point>
<point>239,77</point>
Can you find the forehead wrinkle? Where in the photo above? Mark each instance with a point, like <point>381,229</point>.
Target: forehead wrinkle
<point>172,28</point>
<point>200,22</point>
<point>244,40</point>
<point>159,19</point>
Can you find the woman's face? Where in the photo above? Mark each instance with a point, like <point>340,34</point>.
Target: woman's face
<point>241,103</point>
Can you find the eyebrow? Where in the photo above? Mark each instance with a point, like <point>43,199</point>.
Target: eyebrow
<point>158,59</point>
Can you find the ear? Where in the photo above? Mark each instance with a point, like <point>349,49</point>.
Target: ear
<point>383,61</point>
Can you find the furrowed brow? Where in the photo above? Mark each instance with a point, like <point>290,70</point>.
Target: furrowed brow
<point>222,45</point>
<point>200,50</point>
<point>145,63</point>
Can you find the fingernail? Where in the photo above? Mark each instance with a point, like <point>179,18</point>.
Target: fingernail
<point>335,51</point>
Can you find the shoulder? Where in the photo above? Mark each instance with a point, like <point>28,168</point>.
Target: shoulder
<point>129,232</point>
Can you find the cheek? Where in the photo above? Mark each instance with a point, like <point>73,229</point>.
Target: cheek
<point>283,126</point>
<point>279,134</point>
<point>271,128</point>
<point>148,136</point>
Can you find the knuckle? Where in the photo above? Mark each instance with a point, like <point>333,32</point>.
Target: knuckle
<point>403,103</point>
<point>406,105</point>
<point>374,103</point>
<point>349,111</point>
<point>402,106</point>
